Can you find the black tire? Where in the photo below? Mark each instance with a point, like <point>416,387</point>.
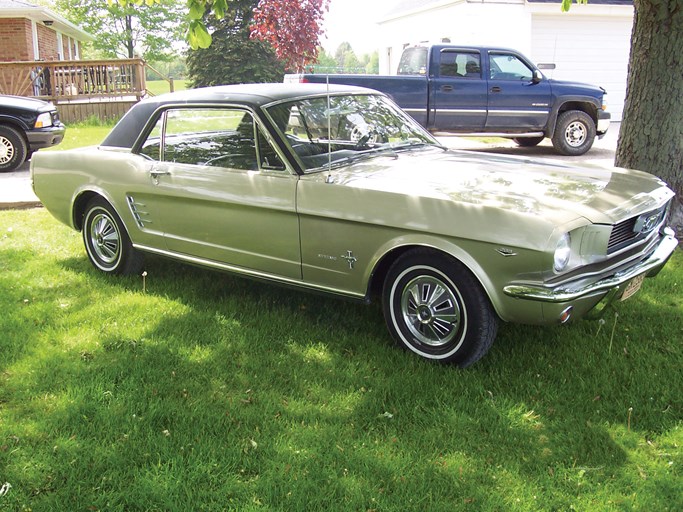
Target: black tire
<point>106,241</point>
<point>574,133</point>
<point>434,306</point>
<point>528,142</point>
<point>12,148</point>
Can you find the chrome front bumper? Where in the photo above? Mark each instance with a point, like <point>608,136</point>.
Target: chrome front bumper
<point>650,267</point>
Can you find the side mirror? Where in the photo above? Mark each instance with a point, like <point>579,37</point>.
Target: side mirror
<point>538,76</point>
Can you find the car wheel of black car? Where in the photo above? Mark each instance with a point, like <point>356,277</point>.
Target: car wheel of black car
<point>435,307</point>
<point>12,148</point>
<point>528,142</point>
<point>106,240</point>
<point>574,134</point>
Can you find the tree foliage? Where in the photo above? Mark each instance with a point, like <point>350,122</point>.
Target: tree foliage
<point>123,30</point>
<point>292,27</point>
<point>233,56</point>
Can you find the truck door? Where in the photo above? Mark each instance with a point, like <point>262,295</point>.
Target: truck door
<point>459,92</point>
<point>517,102</point>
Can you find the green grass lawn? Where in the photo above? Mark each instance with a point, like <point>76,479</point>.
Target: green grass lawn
<point>157,87</point>
<point>195,390</point>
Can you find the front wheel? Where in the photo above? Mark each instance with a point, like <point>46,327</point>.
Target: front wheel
<point>106,241</point>
<point>574,133</point>
<point>13,148</point>
<point>434,306</point>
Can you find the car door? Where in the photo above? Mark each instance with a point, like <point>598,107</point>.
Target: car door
<point>516,102</point>
<point>221,191</point>
<point>459,92</point>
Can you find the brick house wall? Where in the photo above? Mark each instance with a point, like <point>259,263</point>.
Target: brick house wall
<point>47,43</point>
<point>16,42</point>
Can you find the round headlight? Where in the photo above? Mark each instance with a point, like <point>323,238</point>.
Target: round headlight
<point>562,253</point>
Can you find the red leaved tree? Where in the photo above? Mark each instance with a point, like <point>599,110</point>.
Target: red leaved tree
<point>292,27</point>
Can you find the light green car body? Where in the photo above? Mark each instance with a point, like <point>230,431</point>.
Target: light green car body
<point>337,230</point>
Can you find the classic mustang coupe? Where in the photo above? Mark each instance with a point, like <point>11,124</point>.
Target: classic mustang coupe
<point>335,189</point>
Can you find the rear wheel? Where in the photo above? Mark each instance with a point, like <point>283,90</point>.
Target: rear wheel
<point>434,306</point>
<point>528,142</point>
<point>106,240</point>
<point>12,148</point>
<point>574,133</point>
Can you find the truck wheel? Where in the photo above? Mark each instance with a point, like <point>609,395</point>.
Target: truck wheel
<point>528,142</point>
<point>574,134</point>
<point>436,308</point>
<point>12,148</point>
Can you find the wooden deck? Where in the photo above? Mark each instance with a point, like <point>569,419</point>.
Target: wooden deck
<point>80,88</point>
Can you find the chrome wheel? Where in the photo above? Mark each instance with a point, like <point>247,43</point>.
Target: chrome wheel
<point>575,134</point>
<point>107,242</point>
<point>435,307</point>
<point>105,238</point>
<point>6,150</point>
<point>430,310</point>
<point>13,148</point>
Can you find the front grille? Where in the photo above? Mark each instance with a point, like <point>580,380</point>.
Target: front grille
<point>55,117</point>
<point>631,230</point>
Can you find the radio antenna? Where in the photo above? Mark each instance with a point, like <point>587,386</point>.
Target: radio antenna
<point>329,133</point>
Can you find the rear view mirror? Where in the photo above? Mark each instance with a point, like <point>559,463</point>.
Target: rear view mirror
<point>538,76</point>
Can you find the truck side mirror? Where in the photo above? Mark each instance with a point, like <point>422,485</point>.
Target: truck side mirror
<point>538,76</point>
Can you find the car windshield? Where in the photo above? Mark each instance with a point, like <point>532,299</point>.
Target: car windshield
<point>325,131</point>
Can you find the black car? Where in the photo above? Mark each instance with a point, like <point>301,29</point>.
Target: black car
<point>26,125</point>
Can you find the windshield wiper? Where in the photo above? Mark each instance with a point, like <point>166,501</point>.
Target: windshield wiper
<point>408,144</point>
<point>347,160</point>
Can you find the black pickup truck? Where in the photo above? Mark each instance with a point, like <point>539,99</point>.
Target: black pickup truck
<point>26,125</point>
<point>488,91</point>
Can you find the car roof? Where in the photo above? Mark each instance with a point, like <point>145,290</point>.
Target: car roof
<point>126,132</point>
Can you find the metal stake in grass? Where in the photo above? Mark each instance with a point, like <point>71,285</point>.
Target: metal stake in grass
<point>144,287</point>
<point>611,338</point>
<point>628,421</point>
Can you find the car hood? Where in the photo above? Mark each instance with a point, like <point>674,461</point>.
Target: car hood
<point>30,104</point>
<point>551,190</point>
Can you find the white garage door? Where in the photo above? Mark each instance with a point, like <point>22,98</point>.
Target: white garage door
<point>592,49</point>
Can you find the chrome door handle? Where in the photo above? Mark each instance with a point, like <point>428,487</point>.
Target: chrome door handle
<point>155,173</point>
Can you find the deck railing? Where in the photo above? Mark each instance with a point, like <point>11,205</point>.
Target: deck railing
<point>78,80</point>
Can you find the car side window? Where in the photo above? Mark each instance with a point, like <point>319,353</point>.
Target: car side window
<point>454,64</point>
<point>505,66</point>
<point>204,136</point>
<point>214,137</point>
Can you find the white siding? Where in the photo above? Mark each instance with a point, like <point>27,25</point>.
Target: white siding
<point>592,49</point>
<point>488,24</point>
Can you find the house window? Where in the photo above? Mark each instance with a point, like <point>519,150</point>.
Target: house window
<point>60,47</point>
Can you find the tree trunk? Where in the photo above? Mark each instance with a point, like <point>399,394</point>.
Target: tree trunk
<point>129,36</point>
<point>651,135</point>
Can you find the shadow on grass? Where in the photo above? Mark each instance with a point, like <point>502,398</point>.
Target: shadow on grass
<point>226,391</point>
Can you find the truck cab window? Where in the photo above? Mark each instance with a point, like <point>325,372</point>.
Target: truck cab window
<point>413,61</point>
<point>505,66</point>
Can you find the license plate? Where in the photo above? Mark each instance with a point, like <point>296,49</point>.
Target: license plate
<point>633,286</point>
